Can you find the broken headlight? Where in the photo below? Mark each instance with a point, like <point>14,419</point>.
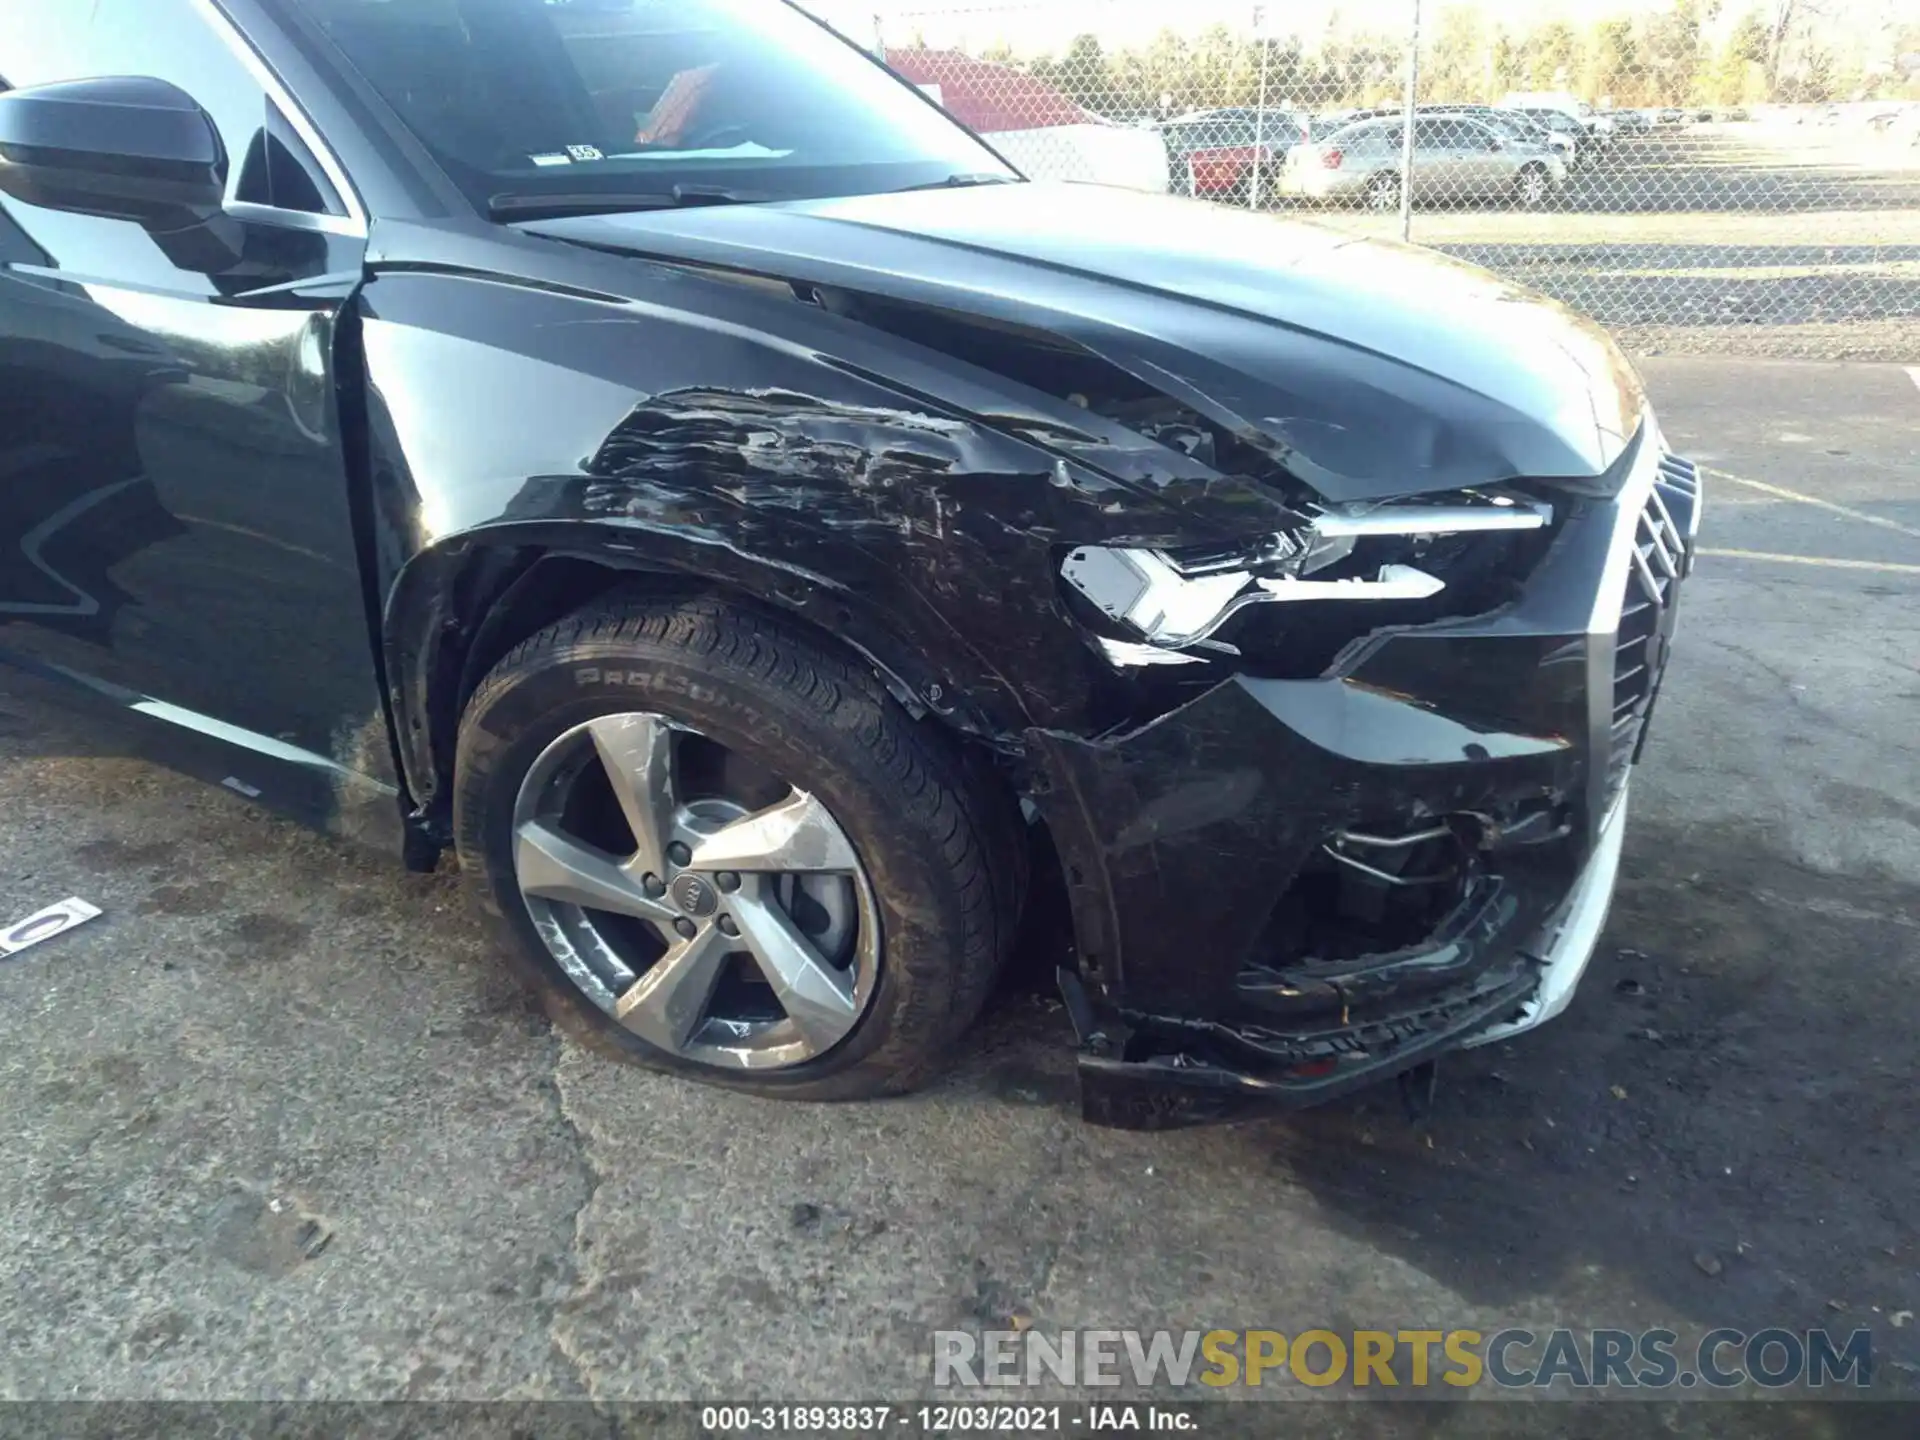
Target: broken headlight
<point>1176,598</point>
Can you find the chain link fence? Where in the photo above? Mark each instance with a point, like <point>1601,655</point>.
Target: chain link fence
<point>1695,174</point>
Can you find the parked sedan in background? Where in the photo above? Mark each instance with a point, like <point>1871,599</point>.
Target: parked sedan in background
<point>1596,127</point>
<point>1455,157</point>
<point>1325,124</point>
<point>1515,125</point>
<point>1216,153</point>
<point>1563,124</point>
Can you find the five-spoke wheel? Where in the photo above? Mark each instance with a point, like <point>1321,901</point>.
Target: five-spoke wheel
<point>749,928</point>
<point>723,849</point>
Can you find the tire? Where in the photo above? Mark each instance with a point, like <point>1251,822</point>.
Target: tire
<point>1270,177</point>
<point>940,849</point>
<point>1382,192</point>
<point>1532,187</point>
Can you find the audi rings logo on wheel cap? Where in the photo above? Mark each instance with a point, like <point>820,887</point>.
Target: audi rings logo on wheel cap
<point>694,896</point>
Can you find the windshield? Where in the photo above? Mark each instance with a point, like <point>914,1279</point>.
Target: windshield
<point>1554,119</point>
<point>609,97</point>
<point>1318,127</point>
<point>1367,135</point>
<point>1511,126</point>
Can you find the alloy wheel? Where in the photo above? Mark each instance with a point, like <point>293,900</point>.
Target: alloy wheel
<point>716,911</point>
<point>1384,193</point>
<point>1533,186</point>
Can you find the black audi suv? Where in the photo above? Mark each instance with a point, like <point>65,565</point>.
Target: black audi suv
<point>648,452</point>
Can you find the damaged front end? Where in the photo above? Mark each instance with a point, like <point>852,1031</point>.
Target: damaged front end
<point>1288,888</point>
<point>1315,591</point>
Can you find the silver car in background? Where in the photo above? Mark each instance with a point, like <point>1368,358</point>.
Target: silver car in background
<point>1515,125</point>
<point>1455,158</point>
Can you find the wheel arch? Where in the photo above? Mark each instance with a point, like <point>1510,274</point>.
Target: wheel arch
<point>457,607</point>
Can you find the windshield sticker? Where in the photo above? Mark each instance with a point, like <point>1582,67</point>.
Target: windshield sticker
<point>551,159</point>
<point>746,150</point>
<point>586,152</point>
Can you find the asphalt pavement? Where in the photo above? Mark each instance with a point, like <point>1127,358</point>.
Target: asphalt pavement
<point>281,1126</point>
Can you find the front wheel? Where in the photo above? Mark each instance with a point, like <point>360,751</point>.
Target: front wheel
<point>1532,186</point>
<point>1383,191</point>
<point>725,851</point>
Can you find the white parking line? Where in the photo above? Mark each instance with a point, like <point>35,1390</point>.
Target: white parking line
<point>1884,566</point>
<point>1783,493</point>
<point>1913,374</point>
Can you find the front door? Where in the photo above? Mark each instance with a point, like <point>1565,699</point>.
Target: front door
<point>1486,167</point>
<point>174,517</point>
<point>1435,173</point>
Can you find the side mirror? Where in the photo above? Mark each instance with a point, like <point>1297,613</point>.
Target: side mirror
<point>123,148</point>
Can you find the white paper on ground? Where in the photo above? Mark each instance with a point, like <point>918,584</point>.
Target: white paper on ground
<point>45,924</point>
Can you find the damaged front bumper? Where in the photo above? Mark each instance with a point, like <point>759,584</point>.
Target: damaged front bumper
<point>1176,1088</point>
<point>1566,944</point>
<point>1289,889</point>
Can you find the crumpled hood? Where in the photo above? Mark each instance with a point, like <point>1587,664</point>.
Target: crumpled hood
<point>1368,368</point>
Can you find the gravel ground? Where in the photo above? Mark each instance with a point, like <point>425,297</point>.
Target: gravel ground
<point>284,1129</point>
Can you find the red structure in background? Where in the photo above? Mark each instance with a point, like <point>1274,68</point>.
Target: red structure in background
<point>1225,169</point>
<point>987,97</point>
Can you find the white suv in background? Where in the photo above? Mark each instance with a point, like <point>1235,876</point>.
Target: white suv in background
<point>1600,127</point>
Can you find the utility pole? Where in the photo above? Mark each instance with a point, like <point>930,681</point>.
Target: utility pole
<point>1260,112</point>
<point>1406,132</point>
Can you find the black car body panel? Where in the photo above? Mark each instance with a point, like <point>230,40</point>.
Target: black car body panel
<point>375,436</point>
<point>698,425</point>
<point>1189,844</point>
<point>1367,368</point>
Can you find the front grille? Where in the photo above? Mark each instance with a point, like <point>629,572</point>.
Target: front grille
<point>1662,556</point>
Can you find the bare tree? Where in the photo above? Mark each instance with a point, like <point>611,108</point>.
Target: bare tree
<point>1787,16</point>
